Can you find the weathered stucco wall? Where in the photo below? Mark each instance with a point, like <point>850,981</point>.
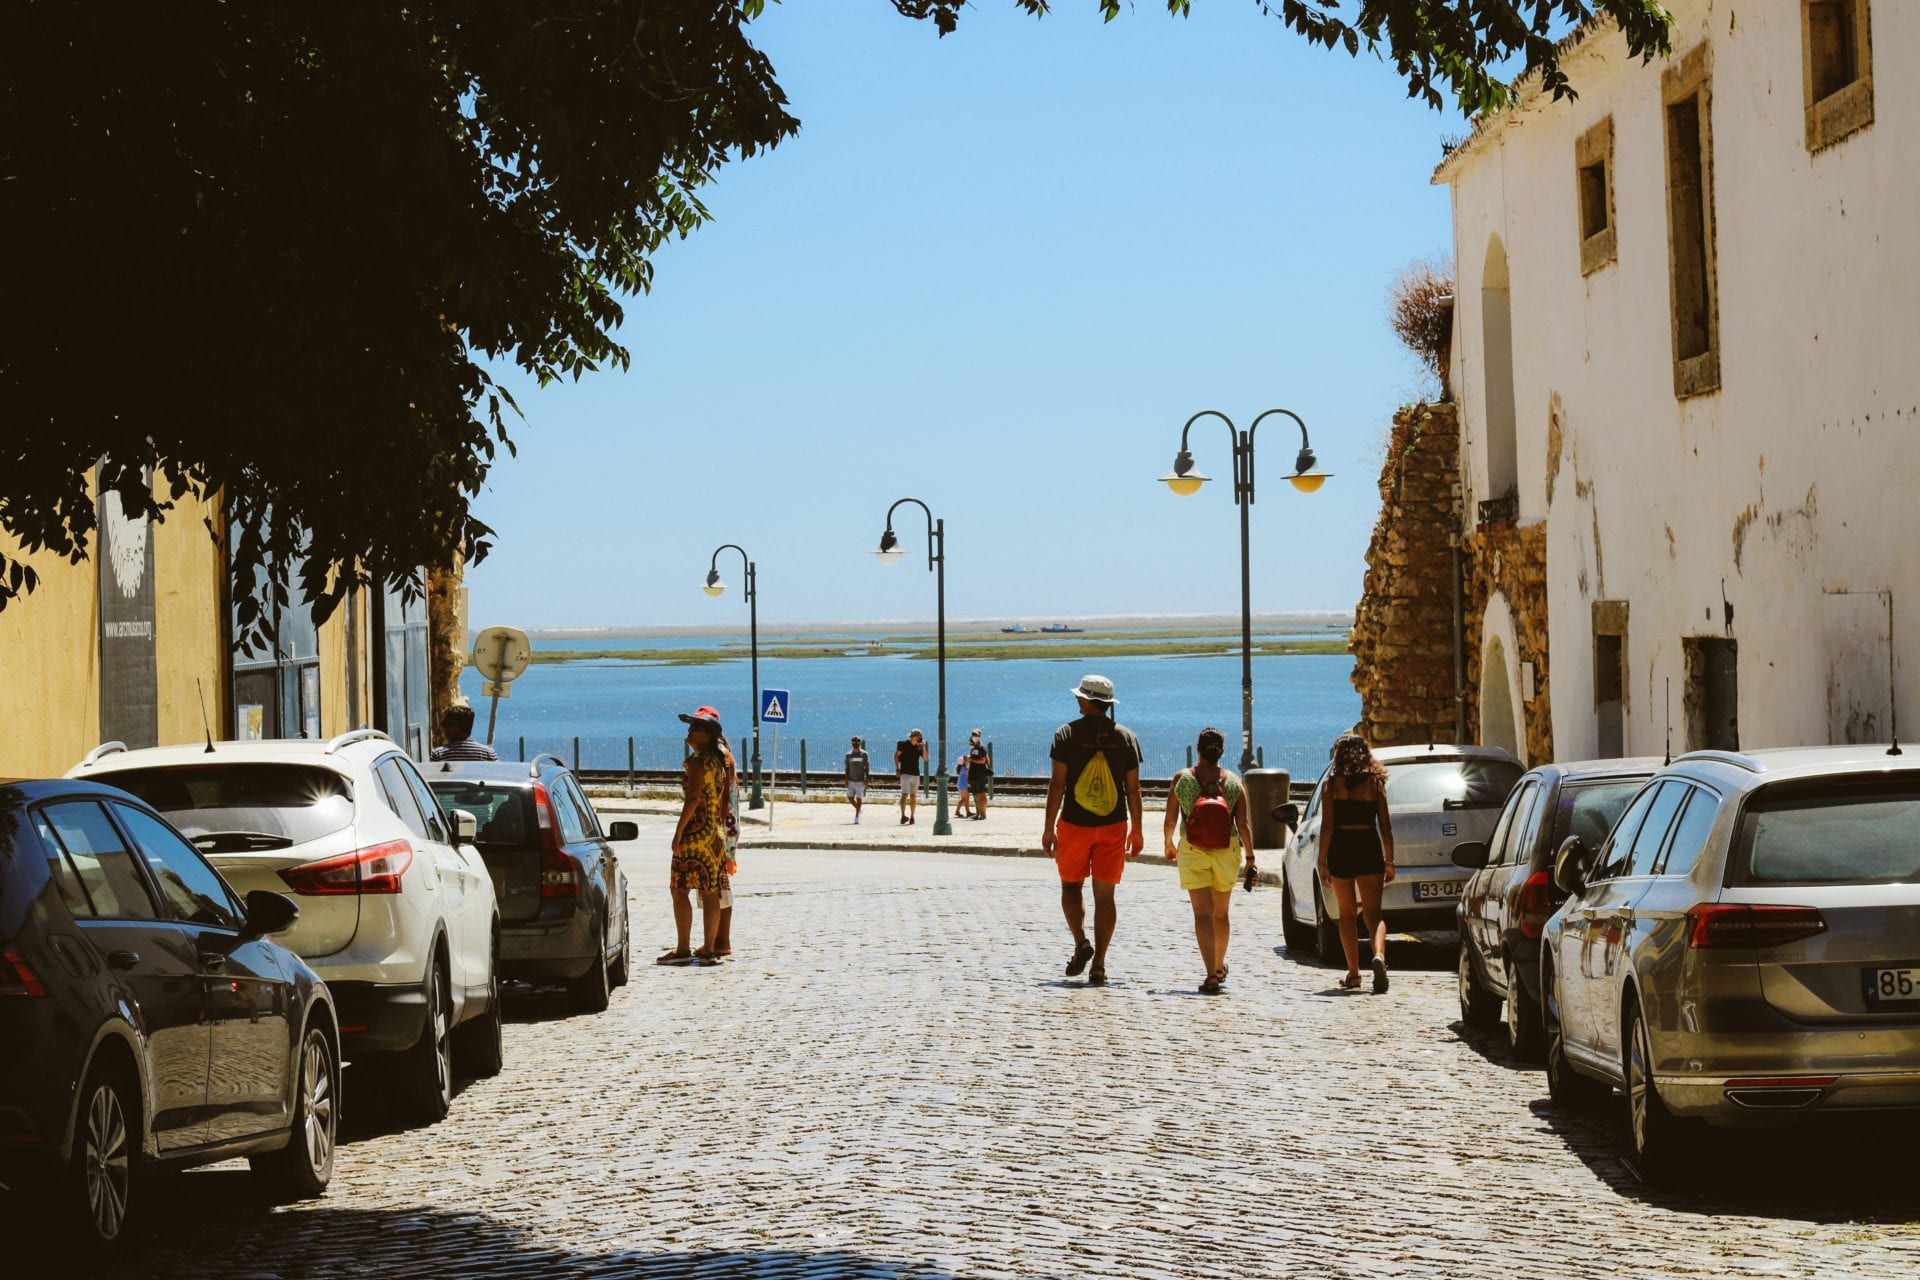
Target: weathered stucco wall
<point>1403,627</point>
<point>1731,514</point>
<point>1506,576</point>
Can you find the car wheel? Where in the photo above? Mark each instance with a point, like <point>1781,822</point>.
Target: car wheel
<point>589,992</point>
<point>617,976</point>
<point>1326,933</point>
<point>1478,1008</point>
<point>1524,1034</point>
<point>1657,1134</point>
<point>1566,1087</point>
<point>96,1194</point>
<point>426,1070</point>
<point>1298,937</point>
<point>481,1046</point>
<point>301,1169</point>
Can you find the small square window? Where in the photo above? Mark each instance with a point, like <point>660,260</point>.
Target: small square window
<point>1839,69</point>
<point>1593,174</point>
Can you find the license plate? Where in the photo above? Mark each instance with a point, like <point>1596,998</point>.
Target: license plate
<point>1891,984</point>
<point>1434,890</point>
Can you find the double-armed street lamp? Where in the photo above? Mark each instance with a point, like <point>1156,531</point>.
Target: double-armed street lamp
<point>889,552</point>
<point>1185,480</point>
<point>714,587</point>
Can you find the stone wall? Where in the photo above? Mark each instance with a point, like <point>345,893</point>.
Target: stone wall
<point>1402,641</point>
<point>1512,560</point>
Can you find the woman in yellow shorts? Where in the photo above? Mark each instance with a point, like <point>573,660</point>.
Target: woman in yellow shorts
<point>1210,847</point>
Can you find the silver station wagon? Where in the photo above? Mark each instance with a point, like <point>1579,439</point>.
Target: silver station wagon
<point>1744,947</point>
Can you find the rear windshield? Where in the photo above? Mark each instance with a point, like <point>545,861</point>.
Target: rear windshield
<point>1590,811</point>
<point>230,807</point>
<point>1852,835</point>
<point>1452,784</point>
<point>504,811</point>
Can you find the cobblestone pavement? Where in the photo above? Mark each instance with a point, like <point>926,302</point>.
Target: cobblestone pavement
<point>893,1080</point>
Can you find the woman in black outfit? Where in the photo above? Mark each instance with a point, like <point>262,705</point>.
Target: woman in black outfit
<point>1356,851</point>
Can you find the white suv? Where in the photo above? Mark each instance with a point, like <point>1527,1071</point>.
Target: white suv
<point>397,911</point>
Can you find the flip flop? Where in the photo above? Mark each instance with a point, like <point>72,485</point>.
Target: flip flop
<point>1081,954</point>
<point>706,959</point>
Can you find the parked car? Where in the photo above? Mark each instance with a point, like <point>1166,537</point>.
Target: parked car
<point>1744,947</point>
<point>562,896</point>
<point>1510,893</point>
<point>147,1020</point>
<point>1438,797</point>
<point>397,910</point>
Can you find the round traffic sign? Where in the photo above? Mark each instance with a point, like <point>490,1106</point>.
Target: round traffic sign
<point>501,653</point>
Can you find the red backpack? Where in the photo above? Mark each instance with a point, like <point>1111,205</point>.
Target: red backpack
<point>1210,821</point>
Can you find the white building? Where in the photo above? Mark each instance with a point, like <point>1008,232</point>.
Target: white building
<point>1685,341</point>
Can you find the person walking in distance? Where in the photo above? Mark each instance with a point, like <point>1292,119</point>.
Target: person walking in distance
<point>978,775</point>
<point>857,767</point>
<point>1092,796</point>
<point>1356,851</point>
<point>1210,806</point>
<point>699,842</point>
<point>907,755</point>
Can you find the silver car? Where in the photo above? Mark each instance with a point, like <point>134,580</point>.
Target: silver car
<point>1438,797</point>
<point>1744,946</point>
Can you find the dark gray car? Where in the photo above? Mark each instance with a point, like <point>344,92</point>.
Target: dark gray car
<point>563,899</point>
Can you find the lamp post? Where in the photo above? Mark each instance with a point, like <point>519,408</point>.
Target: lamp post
<point>713,588</point>
<point>1185,480</point>
<point>890,553</point>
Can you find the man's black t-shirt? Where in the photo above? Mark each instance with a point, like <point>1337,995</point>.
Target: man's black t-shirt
<point>909,755</point>
<point>977,759</point>
<point>1074,746</point>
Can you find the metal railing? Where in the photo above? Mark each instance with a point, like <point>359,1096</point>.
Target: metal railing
<point>1504,509</point>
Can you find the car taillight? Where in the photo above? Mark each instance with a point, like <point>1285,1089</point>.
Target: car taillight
<point>559,874</point>
<point>17,977</point>
<point>1726,924</point>
<point>374,869</point>
<point>1536,904</point>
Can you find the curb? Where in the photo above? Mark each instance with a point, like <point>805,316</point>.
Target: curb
<point>1270,878</point>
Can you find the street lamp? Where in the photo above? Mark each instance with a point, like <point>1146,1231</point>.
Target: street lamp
<point>714,587</point>
<point>889,552</point>
<point>1185,480</point>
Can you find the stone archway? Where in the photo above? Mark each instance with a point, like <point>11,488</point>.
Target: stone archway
<point>1501,707</point>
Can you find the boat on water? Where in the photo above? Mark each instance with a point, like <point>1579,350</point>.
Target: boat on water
<point>1015,630</point>
<point>1061,629</point>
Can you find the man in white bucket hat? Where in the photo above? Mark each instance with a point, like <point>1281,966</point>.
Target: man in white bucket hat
<point>1093,795</point>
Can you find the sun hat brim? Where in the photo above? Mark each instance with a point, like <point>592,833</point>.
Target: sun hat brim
<point>1079,692</point>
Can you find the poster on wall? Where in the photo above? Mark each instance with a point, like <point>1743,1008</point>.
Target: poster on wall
<point>310,702</point>
<point>252,719</point>
<point>129,678</point>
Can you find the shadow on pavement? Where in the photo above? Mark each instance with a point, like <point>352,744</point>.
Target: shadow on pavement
<point>204,1225</point>
<point>1831,1170</point>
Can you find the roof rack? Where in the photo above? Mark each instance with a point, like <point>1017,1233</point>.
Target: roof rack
<point>1734,758</point>
<point>533,765</point>
<point>104,749</point>
<point>353,736</point>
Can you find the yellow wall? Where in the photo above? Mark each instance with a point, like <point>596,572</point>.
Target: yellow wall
<point>50,650</point>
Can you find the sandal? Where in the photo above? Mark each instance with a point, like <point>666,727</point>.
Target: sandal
<point>1379,976</point>
<point>1211,987</point>
<point>1098,978</point>
<point>1081,954</point>
<point>1221,977</point>
<point>706,958</point>
<point>1350,983</point>
<point>674,957</point>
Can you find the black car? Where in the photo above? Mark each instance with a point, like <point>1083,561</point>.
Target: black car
<point>1506,902</point>
<point>563,899</point>
<point>147,1021</point>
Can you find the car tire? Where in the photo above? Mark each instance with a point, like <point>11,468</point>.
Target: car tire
<point>1658,1136</point>
<point>301,1169</point>
<point>95,1193</point>
<point>479,1043</point>
<point>1526,1037</point>
<point>1567,1089</point>
<point>1326,933</point>
<point>425,1084</point>
<point>589,993</point>
<point>1478,1006</point>
<point>621,970</point>
<point>1299,938</point>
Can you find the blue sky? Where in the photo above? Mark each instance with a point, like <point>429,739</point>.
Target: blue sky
<point>997,272</point>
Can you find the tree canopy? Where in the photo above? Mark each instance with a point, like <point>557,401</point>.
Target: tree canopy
<point>271,252</point>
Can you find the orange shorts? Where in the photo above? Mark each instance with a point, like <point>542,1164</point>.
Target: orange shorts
<point>1079,850</point>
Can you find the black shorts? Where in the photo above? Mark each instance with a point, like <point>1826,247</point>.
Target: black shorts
<point>977,783</point>
<point>1356,851</point>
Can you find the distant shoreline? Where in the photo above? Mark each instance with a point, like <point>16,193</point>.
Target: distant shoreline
<point>909,628</point>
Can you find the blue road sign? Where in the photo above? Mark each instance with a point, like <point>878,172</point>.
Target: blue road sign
<point>774,705</point>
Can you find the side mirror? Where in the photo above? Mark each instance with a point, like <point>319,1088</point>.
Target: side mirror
<point>1570,865</point>
<point>465,827</point>
<point>1287,815</point>
<point>623,831</point>
<point>1472,855</point>
<point>269,912</point>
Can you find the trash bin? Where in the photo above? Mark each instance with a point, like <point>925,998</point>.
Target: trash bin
<point>1267,790</point>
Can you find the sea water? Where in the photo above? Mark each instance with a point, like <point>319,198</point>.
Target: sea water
<point>1301,703</point>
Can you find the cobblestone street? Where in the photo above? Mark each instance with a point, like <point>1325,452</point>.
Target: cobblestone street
<point>893,1079</point>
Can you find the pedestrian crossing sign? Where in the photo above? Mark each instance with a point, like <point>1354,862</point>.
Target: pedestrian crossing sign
<point>774,704</point>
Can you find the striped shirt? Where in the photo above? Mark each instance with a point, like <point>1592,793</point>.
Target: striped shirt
<point>465,749</point>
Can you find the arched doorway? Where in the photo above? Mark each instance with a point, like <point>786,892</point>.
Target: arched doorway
<point>1499,727</point>
<point>1496,348</point>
